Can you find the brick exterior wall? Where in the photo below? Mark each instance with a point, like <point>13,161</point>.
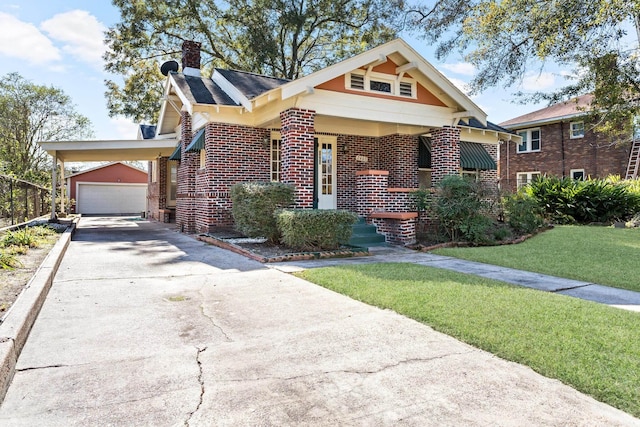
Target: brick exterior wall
<point>186,191</point>
<point>590,153</point>
<point>234,154</point>
<point>157,191</point>
<point>297,153</point>
<point>371,191</point>
<point>490,177</point>
<point>445,153</point>
<point>399,156</point>
<point>397,231</point>
<point>362,154</point>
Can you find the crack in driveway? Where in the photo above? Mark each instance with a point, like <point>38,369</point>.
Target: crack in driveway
<point>201,382</point>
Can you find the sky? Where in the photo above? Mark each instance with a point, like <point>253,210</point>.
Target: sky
<point>60,43</point>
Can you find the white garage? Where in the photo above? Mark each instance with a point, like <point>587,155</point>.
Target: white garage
<point>111,198</point>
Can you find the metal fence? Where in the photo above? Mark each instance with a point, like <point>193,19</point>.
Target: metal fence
<point>22,201</point>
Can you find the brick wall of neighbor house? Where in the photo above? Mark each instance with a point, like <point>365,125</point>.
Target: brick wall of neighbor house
<point>185,197</point>
<point>445,153</point>
<point>234,154</point>
<point>590,153</point>
<point>297,153</point>
<point>362,154</point>
<point>399,156</point>
<point>490,177</point>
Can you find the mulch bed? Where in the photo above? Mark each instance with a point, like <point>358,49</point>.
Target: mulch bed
<point>263,251</point>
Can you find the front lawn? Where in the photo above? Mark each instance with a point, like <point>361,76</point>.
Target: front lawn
<point>592,347</point>
<point>603,255</point>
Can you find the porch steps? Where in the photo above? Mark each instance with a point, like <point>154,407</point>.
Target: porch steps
<point>366,235</point>
<point>634,160</point>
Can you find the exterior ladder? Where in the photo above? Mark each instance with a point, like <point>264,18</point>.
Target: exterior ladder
<point>634,160</point>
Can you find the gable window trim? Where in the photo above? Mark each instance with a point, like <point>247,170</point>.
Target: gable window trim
<point>576,130</point>
<point>362,81</point>
<point>524,178</point>
<point>531,141</point>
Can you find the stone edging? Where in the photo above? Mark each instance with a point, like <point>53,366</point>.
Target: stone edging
<point>17,322</point>
<point>343,253</point>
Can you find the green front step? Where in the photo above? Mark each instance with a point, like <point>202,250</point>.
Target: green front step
<point>366,235</point>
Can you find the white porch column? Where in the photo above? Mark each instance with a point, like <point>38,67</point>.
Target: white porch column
<point>54,182</point>
<point>62,188</point>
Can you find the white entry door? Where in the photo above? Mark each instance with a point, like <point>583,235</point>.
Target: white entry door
<point>326,172</point>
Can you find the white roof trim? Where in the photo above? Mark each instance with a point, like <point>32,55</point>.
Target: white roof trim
<point>231,90</point>
<point>550,120</point>
<point>300,85</point>
<point>106,165</point>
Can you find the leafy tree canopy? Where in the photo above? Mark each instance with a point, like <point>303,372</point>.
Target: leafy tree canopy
<point>281,38</point>
<point>31,113</point>
<point>506,39</point>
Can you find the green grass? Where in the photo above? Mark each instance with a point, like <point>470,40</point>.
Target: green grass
<point>592,347</point>
<point>604,255</point>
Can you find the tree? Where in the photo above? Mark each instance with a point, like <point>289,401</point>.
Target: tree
<point>280,38</point>
<point>31,113</point>
<point>506,39</point>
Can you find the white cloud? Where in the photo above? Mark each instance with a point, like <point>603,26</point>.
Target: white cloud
<point>123,128</point>
<point>460,84</point>
<point>24,41</point>
<point>538,81</point>
<point>464,68</point>
<point>80,32</point>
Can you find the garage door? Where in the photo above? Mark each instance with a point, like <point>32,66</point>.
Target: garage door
<point>111,199</point>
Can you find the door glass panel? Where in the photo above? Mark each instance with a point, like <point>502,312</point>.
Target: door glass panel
<point>326,158</point>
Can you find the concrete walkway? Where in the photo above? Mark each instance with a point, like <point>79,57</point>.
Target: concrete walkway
<point>620,298</point>
<point>148,327</point>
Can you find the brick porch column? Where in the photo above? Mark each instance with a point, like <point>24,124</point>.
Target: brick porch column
<point>445,153</point>
<point>297,131</point>
<point>371,191</point>
<point>186,191</point>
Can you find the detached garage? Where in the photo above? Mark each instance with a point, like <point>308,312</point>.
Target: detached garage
<point>111,189</point>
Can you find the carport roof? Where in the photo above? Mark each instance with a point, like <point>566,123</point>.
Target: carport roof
<point>111,150</point>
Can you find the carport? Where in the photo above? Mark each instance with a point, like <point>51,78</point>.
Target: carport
<point>101,151</point>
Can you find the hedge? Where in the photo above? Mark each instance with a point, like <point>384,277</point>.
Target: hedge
<point>314,229</point>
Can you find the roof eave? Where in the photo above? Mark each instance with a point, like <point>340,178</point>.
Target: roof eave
<point>539,122</point>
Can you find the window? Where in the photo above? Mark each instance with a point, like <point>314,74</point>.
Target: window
<point>576,130</point>
<point>530,140</point>
<point>276,159</point>
<point>203,159</point>
<point>525,178</point>
<point>424,178</point>
<point>172,183</point>
<point>381,83</point>
<point>577,174</point>
<point>471,174</point>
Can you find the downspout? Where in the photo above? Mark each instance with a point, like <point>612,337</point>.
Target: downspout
<point>564,173</point>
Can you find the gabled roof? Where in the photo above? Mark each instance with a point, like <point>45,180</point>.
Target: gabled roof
<point>106,165</point>
<point>147,131</point>
<point>554,113</point>
<point>251,85</point>
<point>201,90</point>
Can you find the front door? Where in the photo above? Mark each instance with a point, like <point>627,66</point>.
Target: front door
<point>326,172</point>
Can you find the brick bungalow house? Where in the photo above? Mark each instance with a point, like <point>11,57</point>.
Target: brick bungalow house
<point>360,135</point>
<point>556,142</point>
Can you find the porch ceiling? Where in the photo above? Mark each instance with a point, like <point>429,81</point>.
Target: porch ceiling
<point>112,151</point>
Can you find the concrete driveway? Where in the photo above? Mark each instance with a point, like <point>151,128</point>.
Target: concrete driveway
<point>148,327</point>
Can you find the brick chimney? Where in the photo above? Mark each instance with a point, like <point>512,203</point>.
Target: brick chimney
<point>191,58</point>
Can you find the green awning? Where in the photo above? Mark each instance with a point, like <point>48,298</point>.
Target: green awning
<point>474,156</point>
<point>176,155</point>
<point>197,143</point>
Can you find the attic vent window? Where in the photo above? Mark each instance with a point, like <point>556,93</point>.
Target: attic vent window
<point>357,81</point>
<point>381,83</point>
<point>406,89</point>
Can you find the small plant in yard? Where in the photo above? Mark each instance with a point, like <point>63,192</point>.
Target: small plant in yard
<point>255,204</point>
<point>460,207</point>
<point>314,229</point>
<point>522,213</point>
<point>8,260</point>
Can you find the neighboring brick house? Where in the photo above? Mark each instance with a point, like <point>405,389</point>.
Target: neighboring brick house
<point>555,141</point>
<point>359,135</point>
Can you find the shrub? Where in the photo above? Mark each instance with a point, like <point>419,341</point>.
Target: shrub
<point>565,200</point>
<point>23,237</point>
<point>422,199</point>
<point>314,229</point>
<point>460,209</point>
<point>255,204</point>
<point>8,260</point>
<point>522,213</point>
